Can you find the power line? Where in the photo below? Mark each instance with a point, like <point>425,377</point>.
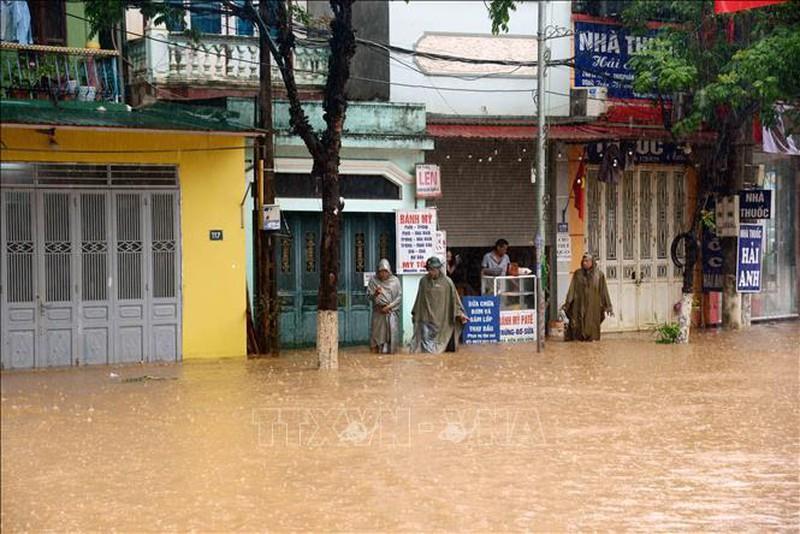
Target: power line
<point>387,82</point>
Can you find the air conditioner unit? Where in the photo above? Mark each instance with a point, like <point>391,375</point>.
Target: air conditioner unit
<point>588,101</point>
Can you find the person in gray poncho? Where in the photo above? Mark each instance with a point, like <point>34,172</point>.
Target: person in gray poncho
<point>385,293</point>
<point>438,314</point>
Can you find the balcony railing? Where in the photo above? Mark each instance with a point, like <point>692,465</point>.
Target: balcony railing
<point>174,58</point>
<point>57,72</point>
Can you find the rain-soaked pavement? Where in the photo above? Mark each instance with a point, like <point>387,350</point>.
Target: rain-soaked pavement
<point>620,434</point>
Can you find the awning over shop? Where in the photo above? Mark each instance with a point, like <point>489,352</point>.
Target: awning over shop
<point>106,115</point>
<point>596,131</point>
<point>570,133</point>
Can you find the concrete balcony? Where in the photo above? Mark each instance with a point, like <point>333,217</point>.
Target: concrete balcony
<point>165,59</point>
<point>30,71</point>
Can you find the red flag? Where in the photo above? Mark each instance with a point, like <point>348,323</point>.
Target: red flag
<point>578,187</point>
<point>732,6</point>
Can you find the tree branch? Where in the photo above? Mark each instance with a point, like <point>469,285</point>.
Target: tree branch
<point>285,57</point>
<point>343,47</point>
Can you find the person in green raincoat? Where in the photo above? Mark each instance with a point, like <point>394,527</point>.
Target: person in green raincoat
<point>587,302</point>
<point>438,314</point>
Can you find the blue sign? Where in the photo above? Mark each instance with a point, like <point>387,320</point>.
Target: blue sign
<point>602,58</point>
<point>748,258</point>
<point>484,319</point>
<point>563,228</point>
<point>641,151</point>
<point>712,262</point>
<point>755,204</point>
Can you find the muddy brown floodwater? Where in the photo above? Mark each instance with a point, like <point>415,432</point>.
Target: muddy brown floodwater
<point>622,434</point>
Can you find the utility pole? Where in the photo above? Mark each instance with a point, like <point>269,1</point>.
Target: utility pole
<point>540,174</point>
<point>266,285</point>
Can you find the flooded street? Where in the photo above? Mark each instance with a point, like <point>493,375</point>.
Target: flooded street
<point>622,434</point>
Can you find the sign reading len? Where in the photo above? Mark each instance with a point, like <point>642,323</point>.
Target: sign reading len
<point>748,258</point>
<point>484,319</point>
<point>755,204</point>
<point>429,181</point>
<point>416,239</point>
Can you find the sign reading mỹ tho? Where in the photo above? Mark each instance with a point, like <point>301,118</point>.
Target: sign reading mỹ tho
<point>517,325</point>
<point>755,204</point>
<point>484,319</point>
<point>416,239</point>
<point>429,181</point>
<point>748,258</point>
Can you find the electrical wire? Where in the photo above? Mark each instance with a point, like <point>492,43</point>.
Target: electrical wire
<point>388,82</point>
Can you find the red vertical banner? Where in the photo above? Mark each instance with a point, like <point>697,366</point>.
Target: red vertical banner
<point>578,187</point>
<point>732,6</point>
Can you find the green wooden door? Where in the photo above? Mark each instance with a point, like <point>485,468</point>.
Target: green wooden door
<point>365,239</point>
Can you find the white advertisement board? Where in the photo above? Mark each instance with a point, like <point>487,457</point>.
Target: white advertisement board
<point>429,181</point>
<point>518,325</point>
<point>416,239</point>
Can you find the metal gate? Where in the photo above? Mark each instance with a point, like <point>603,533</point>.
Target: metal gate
<point>90,266</point>
<point>365,239</point>
<point>630,230</point>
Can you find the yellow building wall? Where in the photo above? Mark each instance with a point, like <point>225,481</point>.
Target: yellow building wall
<point>211,189</point>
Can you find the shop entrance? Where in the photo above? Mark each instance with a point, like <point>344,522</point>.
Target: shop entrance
<point>630,230</point>
<point>366,238</point>
<point>90,264</point>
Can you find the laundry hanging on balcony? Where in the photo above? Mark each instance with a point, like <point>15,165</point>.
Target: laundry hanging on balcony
<point>15,21</point>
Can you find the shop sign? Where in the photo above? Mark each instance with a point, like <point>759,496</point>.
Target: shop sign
<point>712,262</point>
<point>642,151</point>
<point>727,216</point>
<point>429,181</point>
<point>416,239</point>
<point>602,57</point>
<point>755,204</point>
<point>563,243</point>
<point>748,258</point>
<point>368,277</point>
<point>441,245</point>
<point>517,325</point>
<point>484,319</point>
<point>271,220</point>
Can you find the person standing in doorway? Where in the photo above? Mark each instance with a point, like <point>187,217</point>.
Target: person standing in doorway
<point>438,314</point>
<point>386,296</point>
<point>496,262</point>
<point>587,302</point>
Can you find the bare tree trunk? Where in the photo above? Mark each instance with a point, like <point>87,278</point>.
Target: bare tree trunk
<point>327,314</point>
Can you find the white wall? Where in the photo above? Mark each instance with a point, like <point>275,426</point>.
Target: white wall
<point>410,21</point>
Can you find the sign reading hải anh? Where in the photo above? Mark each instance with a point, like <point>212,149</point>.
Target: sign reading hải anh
<point>748,258</point>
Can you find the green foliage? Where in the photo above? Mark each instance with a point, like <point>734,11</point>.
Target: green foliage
<point>708,219</point>
<point>103,14</point>
<point>667,333</point>
<point>500,14</point>
<point>759,69</point>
